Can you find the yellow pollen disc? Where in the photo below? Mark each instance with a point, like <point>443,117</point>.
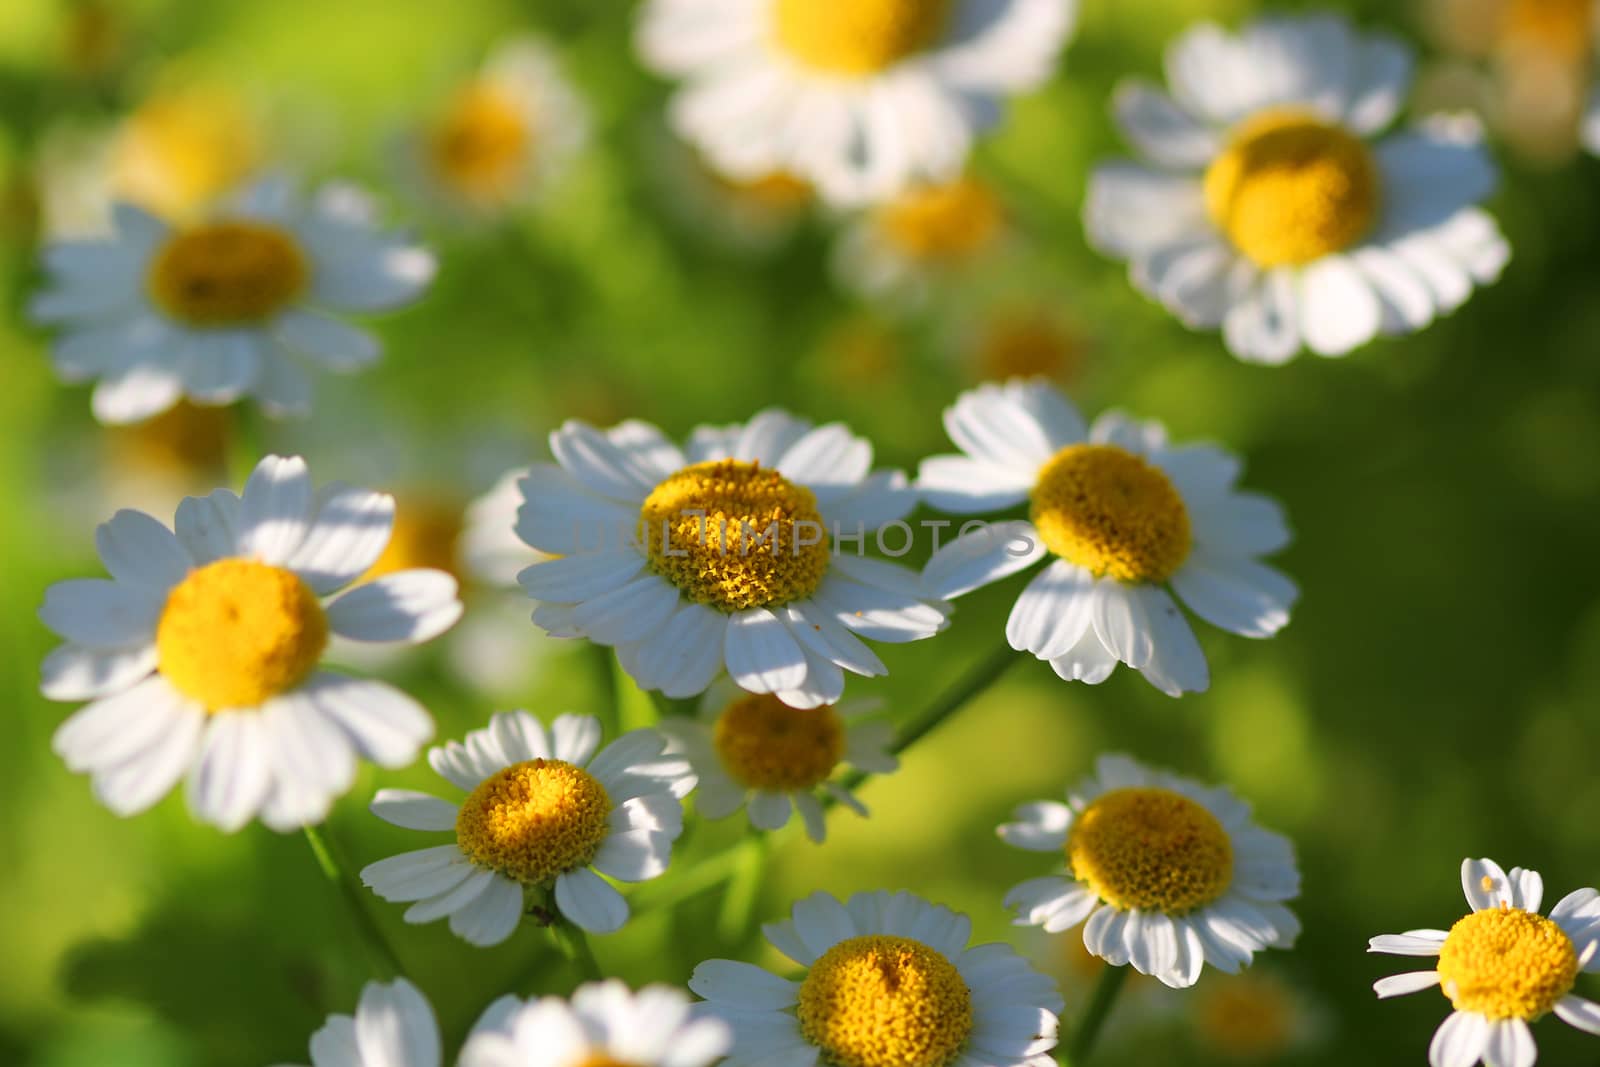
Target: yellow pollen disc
<point>236,632</point>
<point>766,744</point>
<point>881,1001</point>
<point>481,143</point>
<point>943,223</point>
<point>534,820</point>
<point>183,148</point>
<point>735,535</point>
<point>857,37</point>
<point>1246,1017</point>
<point>1110,512</point>
<point>224,273</point>
<point>1289,189</point>
<point>1507,963</point>
<point>425,535</point>
<point>1151,849</point>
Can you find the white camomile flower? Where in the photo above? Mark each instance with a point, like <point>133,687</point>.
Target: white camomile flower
<point>1264,205</point>
<point>201,652</point>
<point>927,236</point>
<point>860,99</point>
<point>543,813</point>
<point>237,305</point>
<point>502,136</point>
<point>1502,966</point>
<point>1164,873</point>
<point>889,982</point>
<point>602,1025</point>
<point>741,551</point>
<point>1125,517</point>
<point>393,1026</point>
<point>752,750</point>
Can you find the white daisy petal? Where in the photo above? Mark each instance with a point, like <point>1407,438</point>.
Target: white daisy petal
<point>742,985</point>
<point>232,773</point>
<point>208,526</point>
<point>1241,596</point>
<point>138,550</point>
<point>1159,129</point>
<point>1399,985</point>
<point>1339,309</point>
<point>1461,1040</point>
<point>978,558</point>
<point>413,811</point>
<point>395,1026</point>
<point>1176,665</point>
<point>410,606</point>
<point>1088,661</point>
<point>326,340</point>
<point>1413,943</point>
<point>589,902</point>
<point>761,653</point>
<point>386,726</point>
<point>101,614</point>
<point>275,509</point>
<point>73,672</point>
<point>349,530</point>
<point>1578,1012</point>
<point>492,916</point>
<point>964,485</point>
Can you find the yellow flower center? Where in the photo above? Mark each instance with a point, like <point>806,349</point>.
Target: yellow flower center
<point>480,144</point>
<point>186,439</point>
<point>236,632</point>
<point>766,744</point>
<point>1030,345</point>
<point>426,534</point>
<point>943,223</point>
<point>1561,29</point>
<point>857,37</point>
<point>778,191</point>
<point>604,1061</point>
<point>183,148</point>
<point>1110,512</point>
<point>1151,849</point>
<point>881,1001</point>
<point>224,273</point>
<point>1289,189</point>
<point>534,820</point>
<point>1246,1017</point>
<point>735,535</point>
<point>1506,963</point>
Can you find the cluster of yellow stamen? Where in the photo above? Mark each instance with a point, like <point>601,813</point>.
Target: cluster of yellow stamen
<point>1151,849</point>
<point>1112,513</point>
<point>859,37</point>
<point>735,535</point>
<point>236,632</point>
<point>765,744</point>
<point>426,534</point>
<point>534,820</point>
<point>1507,963</point>
<point>479,145</point>
<point>1289,189</point>
<point>943,223</point>
<point>226,273</point>
<point>882,1001</point>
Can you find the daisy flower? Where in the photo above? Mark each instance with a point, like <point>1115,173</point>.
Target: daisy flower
<point>1263,205</point>
<point>753,750</point>
<point>929,234</point>
<point>503,135</point>
<point>1502,966</point>
<point>235,306</point>
<point>393,1027</point>
<point>602,1024</point>
<point>1126,516</point>
<point>741,551</point>
<point>753,214</point>
<point>889,982</point>
<point>201,652</point>
<point>543,812</point>
<point>1164,873</point>
<point>860,99</point>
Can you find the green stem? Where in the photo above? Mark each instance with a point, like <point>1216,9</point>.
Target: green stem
<point>744,888</point>
<point>610,714</point>
<point>383,957</point>
<point>1094,1016</point>
<point>575,947</point>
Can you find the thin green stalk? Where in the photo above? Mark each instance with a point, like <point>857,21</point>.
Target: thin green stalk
<point>1093,1019</point>
<point>383,956</point>
<point>605,678</point>
<point>575,947</point>
<point>744,888</point>
<point>247,442</point>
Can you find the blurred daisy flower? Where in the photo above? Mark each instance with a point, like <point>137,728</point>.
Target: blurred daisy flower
<point>860,99</point>
<point>1030,340</point>
<point>752,214</point>
<point>393,1027</point>
<point>731,553</point>
<point>1254,1017</point>
<point>1126,516</point>
<point>1164,873</point>
<point>906,246</point>
<point>201,652</point>
<point>1502,966</point>
<point>889,982</point>
<point>752,750</point>
<point>602,1025</point>
<point>543,812</point>
<point>500,138</point>
<point>1263,207</point>
<point>232,307</point>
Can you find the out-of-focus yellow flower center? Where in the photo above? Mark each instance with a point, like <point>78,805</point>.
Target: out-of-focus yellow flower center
<point>1246,1017</point>
<point>183,148</point>
<point>1289,189</point>
<point>1562,30</point>
<point>236,632</point>
<point>426,534</point>
<point>605,1061</point>
<point>882,1001</point>
<point>1110,512</point>
<point>766,744</point>
<point>225,273</point>
<point>1031,345</point>
<point>778,191</point>
<point>857,37</point>
<point>943,223</point>
<point>532,821</point>
<point>480,145</point>
<point>1151,849</point>
<point>1506,963</point>
<point>735,535</point>
<point>186,439</point>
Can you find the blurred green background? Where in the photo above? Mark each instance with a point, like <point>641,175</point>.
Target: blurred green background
<point>1435,696</point>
